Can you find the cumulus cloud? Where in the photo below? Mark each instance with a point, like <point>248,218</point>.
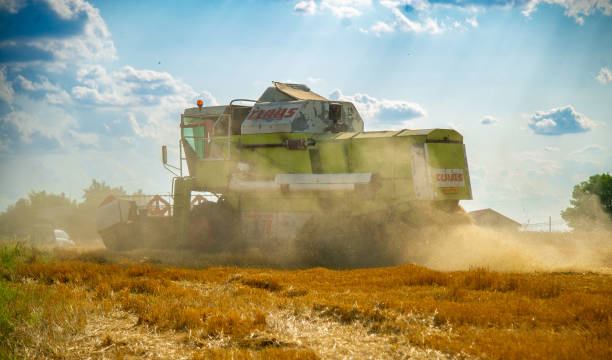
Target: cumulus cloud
<point>429,25</point>
<point>382,27</point>
<point>591,149</point>
<point>87,138</point>
<point>419,16</point>
<point>538,162</point>
<point>46,121</point>
<point>308,7</point>
<point>43,85</point>
<point>129,87</point>
<point>382,111</point>
<point>402,23</point>
<point>576,9</point>
<point>53,30</point>
<point>423,22</point>
<point>604,76</point>
<point>339,8</point>
<point>69,37</point>
<point>559,121</point>
<point>472,21</point>
<point>489,120</point>
<point>149,101</point>
<point>389,3</point>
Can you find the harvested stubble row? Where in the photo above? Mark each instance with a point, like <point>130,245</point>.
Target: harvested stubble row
<point>232,312</point>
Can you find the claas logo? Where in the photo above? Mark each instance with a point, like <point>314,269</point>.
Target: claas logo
<point>279,113</point>
<point>449,177</point>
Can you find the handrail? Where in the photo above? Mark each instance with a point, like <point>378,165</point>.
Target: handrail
<point>229,125</point>
<point>217,122</point>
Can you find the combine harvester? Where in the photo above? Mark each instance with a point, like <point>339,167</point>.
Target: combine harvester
<point>293,170</point>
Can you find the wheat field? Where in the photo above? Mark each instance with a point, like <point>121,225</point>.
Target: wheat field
<point>92,304</point>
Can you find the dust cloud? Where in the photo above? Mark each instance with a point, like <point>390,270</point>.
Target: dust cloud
<point>468,246</point>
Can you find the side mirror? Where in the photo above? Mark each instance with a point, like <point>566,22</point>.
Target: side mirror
<point>164,155</point>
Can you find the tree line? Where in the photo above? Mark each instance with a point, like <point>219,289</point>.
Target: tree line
<point>590,209</point>
<point>40,210</point>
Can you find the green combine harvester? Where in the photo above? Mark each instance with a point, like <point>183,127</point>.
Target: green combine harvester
<point>292,170</point>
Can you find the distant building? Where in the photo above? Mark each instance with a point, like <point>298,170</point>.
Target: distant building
<point>492,219</point>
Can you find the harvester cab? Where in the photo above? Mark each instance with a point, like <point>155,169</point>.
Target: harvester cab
<point>265,172</point>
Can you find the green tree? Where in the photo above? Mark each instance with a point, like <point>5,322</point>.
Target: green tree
<point>98,191</point>
<point>86,215</point>
<point>42,210</point>
<point>591,204</point>
<point>39,210</point>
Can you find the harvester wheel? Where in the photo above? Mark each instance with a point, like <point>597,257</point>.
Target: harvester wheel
<point>211,226</point>
<point>344,242</point>
<point>121,239</point>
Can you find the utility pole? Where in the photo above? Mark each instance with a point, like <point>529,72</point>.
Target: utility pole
<point>550,224</point>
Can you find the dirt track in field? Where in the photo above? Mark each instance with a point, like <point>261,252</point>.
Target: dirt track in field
<point>118,334</point>
<point>107,336</point>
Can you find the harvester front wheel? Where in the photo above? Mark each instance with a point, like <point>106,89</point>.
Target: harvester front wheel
<point>121,238</point>
<point>211,226</point>
<point>344,242</point>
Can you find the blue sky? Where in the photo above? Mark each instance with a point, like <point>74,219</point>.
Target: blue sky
<point>92,89</point>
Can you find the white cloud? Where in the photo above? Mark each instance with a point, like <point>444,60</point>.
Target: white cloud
<point>375,112</point>
<point>59,98</point>
<point>419,5</point>
<point>91,42</point>
<point>454,126</point>
<point>149,101</point>
<point>313,80</point>
<point>538,162</point>
<point>489,120</point>
<point>604,76</point>
<point>559,121</point>
<point>208,98</point>
<point>54,94</point>
<point>573,8</point>
<point>472,21</point>
<point>12,6</point>
<point>401,22</point>
<point>591,149</point>
<point>43,85</point>
<point>429,25</point>
<point>551,148</point>
<point>308,7</point>
<point>84,138</point>
<point>341,9</point>
<point>381,27</point>
<point>389,3</point>
<point>424,22</point>
<point>47,121</point>
<point>130,87</point>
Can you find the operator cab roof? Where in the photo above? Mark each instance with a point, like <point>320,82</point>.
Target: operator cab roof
<point>288,92</point>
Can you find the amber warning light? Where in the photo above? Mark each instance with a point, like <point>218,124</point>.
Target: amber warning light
<point>200,103</point>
